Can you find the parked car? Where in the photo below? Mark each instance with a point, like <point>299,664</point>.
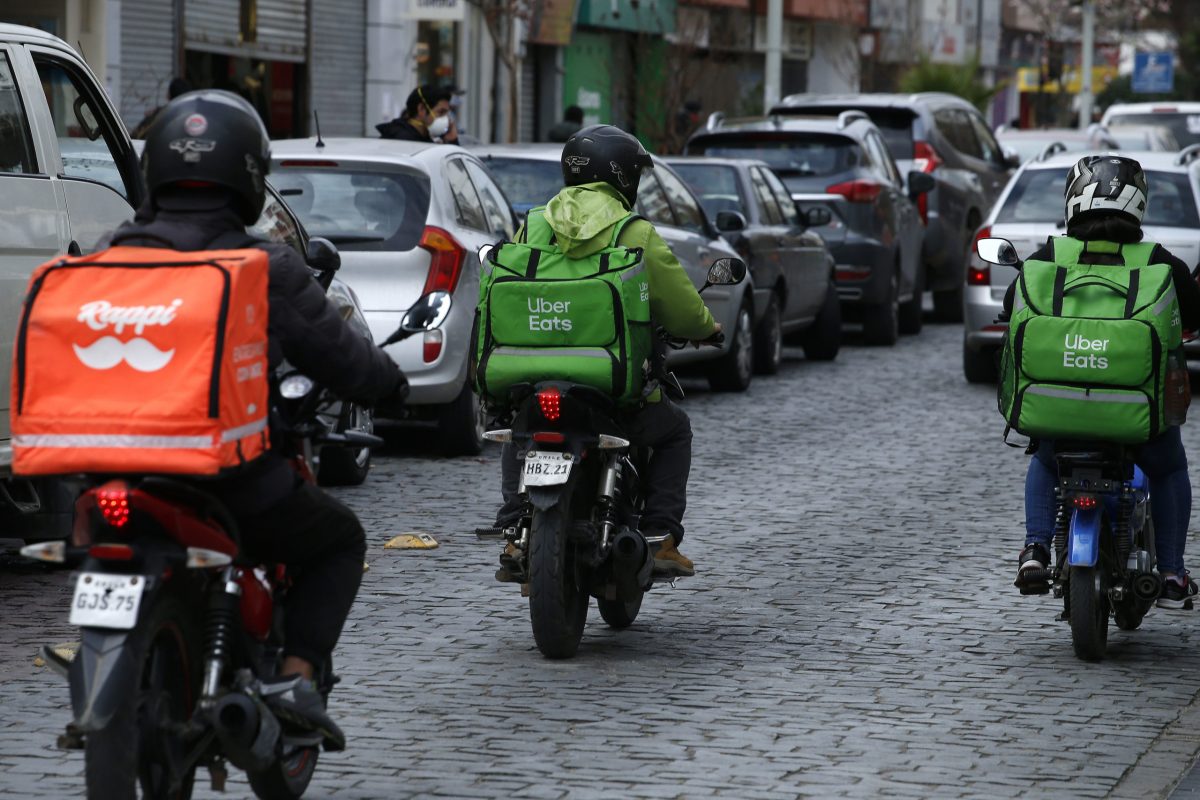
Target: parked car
<point>1182,119</point>
<point>1138,138</point>
<point>946,137</point>
<point>68,174</point>
<point>407,218</point>
<point>1031,209</point>
<point>875,233</point>
<point>793,272</point>
<point>1031,143</point>
<point>531,174</point>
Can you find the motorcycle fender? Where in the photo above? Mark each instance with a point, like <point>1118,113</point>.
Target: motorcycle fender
<point>1083,546</point>
<point>102,676</point>
<point>544,497</point>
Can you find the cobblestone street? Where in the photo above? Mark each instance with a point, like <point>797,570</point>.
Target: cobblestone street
<point>852,630</point>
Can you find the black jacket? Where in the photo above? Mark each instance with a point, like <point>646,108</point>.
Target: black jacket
<point>401,128</point>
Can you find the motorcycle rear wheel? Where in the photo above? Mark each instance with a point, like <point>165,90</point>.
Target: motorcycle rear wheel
<point>557,604</point>
<point>129,751</point>
<point>1089,613</point>
<point>286,778</point>
<point>620,613</point>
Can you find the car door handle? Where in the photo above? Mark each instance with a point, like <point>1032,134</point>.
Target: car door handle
<point>73,249</point>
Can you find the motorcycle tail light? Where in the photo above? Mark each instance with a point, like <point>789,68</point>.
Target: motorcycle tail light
<point>550,401</point>
<point>1084,502</point>
<point>111,552</point>
<point>50,552</point>
<point>549,437</point>
<point>113,500</point>
<point>433,346</point>
<point>203,558</point>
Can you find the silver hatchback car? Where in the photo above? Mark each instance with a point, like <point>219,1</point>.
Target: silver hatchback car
<point>1031,209</point>
<point>408,218</point>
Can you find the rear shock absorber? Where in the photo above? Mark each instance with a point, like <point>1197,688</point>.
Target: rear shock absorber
<point>1121,530</point>
<point>220,629</point>
<point>1061,520</point>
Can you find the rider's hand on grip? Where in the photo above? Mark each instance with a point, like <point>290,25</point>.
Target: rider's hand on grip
<point>714,339</point>
<point>399,392</point>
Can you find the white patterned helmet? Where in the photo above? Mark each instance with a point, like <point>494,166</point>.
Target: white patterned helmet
<point>1106,184</point>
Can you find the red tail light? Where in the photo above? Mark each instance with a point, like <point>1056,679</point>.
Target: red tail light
<point>847,273</point>
<point>925,159</point>
<point>111,552</point>
<point>447,259</point>
<point>114,504</point>
<point>980,276</point>
<point>549,437</point>
<point>432,346</point>
<point>550,402</point>
<point>1085,502</point>
<point>859,191</point>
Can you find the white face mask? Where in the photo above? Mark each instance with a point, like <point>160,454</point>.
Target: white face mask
<point>439,126</point>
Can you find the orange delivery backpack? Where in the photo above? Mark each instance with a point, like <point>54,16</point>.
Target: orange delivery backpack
<point>142,360</point>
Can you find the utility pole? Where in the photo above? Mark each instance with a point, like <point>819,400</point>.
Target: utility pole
<point>772,77</point>
<point>1085,63</point>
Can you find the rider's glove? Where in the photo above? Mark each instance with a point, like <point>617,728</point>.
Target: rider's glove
<point>399,392</point>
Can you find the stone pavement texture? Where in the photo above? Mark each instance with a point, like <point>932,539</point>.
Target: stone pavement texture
<point>852,631</point>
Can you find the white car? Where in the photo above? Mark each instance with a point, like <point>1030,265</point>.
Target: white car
<point>407,218</point>
<point>1183,119</point>
<point>1032,208</point>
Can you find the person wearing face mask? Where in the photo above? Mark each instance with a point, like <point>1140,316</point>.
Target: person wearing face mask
<point>426,118</point>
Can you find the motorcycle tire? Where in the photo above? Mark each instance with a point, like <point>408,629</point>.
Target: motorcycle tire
<point>288,777</point>
<point>1089,613</point>
<point>557,604</point>
<point>118,758</point>
<point>620,614</point>
<point>347,466</point>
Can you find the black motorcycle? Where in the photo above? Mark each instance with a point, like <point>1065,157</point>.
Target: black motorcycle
<point>578,534</point>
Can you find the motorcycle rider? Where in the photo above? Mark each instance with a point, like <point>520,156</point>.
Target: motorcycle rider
<point>205,161</point>
<point>1106,199</point>
<point>602,167</point>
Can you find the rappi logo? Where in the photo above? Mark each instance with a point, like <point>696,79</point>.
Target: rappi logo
<point>108,351</point>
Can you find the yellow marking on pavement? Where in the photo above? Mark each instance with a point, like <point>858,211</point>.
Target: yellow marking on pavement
<point>411,541</point>
<point>65,651</point>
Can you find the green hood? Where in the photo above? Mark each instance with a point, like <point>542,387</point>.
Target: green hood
<point>582,217</point>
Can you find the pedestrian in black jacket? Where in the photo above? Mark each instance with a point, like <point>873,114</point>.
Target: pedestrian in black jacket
<point>426,118</point>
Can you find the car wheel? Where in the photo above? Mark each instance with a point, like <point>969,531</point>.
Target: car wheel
<point>910,312</point>
<point>768,340</point>
<point>947,304</point>
<point>347,466</point>
<point>734,370</point>
<point>822,341</point>
<point>881,321</point>
<point>979,366</point>
<point>462,424</point>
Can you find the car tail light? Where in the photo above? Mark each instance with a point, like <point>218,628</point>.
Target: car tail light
<point>1164,110</point>
<point>844,273</point>
<point>1085,502</point>
<point>925,159</point>
<point>433,346</point>
<point>859,191</point>
<point>111,552</point>
<point>980,276</point>
<point>550,402</point>
<point>113,501</point>
<point>307,162</point>
<point>549,437</point>
<point>447,259</point>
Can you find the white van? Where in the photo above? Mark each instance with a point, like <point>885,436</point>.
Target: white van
<point>68,175</point>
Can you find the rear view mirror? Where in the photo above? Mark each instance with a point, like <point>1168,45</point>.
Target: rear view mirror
<point>1012,158</point>
<point>726,272</point>
<point>323,255</point>
<point>816,216</point>
<point>920,183</point>
<point>429,312</point>
<point>485,253</point>
<point>997,251</point>
<point>730,221</point>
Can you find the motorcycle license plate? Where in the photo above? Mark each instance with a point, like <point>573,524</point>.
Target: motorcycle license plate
<point>107,601</point>
<point>547,469</point>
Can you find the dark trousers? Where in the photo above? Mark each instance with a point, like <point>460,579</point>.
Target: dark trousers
<point>319,539</point>
<point>662,427</point>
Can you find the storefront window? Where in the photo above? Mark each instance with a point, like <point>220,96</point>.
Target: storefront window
<point>436,52</point>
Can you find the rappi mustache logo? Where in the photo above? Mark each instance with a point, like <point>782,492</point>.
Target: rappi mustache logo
<point>109,351</point>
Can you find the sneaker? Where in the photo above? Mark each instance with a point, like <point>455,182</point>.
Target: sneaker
<point>669,560</point>
<point>295,700</point>
<point>1033,577</point>
<point>510,565</point>
<point>1177,592</point>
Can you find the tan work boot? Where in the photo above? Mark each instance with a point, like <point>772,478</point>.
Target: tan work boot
<point>668,559</point>
<point>510,563</point>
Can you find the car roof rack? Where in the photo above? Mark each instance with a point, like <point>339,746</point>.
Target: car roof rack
<point>1054,148</point>
<point>846,117</point>
<point>1187,155</point>
<point>714,120</point>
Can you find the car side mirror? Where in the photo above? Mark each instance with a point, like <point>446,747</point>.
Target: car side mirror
<point>731,221</point>
<point>726,272</point>
<point>920,183</point>
<point>997,251</point>
<point>1012,158</point>
<point>816,216</point>
<point>322,255</point>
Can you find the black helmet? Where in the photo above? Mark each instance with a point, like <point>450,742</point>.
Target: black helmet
<point>604,153</point>
<point>1106,184</point>
<point>214,137</point>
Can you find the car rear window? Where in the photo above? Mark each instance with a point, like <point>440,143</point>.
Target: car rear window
<point>1038,197</point>
<point>526,182</point>
<point>715,185</point>
<point>896,124</point>
<point>1186,127</point>
<point>793,155</point>
<point>357,210</point>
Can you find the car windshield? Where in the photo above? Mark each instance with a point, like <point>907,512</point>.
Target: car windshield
<point>799,155</point>
<point>1038,197</point>
<point>1031,145</point>
<point>1185,127</point>
<point>357,209</point>
<point>527,182</point>
<point>715,185</point>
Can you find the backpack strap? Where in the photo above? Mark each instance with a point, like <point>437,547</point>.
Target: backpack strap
<point>620,227</point>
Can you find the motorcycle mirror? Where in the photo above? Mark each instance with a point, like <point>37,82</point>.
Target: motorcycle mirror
<point>485,253</point>
<point>323,255</point>
<point>997,251</point>
<point>726,272</point>
<point>429,312</point>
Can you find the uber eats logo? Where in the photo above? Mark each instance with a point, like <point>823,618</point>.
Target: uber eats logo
<point>1080,352</point>
<point>544,315</point>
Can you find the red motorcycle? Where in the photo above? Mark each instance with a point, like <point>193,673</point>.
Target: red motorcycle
<point>179,635</point>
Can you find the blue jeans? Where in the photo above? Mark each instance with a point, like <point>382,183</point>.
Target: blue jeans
<point>1165,464</point>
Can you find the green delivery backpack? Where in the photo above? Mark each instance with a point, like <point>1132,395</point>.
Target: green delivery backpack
<point>545,316</point>
<point>1089,346</point>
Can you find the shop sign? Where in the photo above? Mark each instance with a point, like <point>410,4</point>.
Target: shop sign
<point>643,16</point>
<point>552,21</point>
<point>437,10</point>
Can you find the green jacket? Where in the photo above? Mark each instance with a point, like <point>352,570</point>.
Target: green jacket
<point>583,218</point>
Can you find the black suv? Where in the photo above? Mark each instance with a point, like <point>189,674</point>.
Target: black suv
<point>945,136</point>
<point>875,232</point>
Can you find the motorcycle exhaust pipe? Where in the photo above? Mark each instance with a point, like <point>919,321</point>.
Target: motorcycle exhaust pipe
<point>1147,586</point>
<point>247,730</point>
<point>631,563</point>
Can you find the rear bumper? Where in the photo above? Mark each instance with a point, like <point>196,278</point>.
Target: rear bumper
<point>981,306</point>
<point>942,252</point>
<point>875,260</point>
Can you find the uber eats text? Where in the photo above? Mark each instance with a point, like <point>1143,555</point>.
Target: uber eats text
<point>1079,352</point>
<point>540,310</point>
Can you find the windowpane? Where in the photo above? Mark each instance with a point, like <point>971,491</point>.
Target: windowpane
<point>766,200</point>
<point>652,202</point>
<point>787,206</point>
<point>16,148</point>
<point>495,207</point>
<point>687,210</point>
<point>716,185</point>
<point>470,210</point>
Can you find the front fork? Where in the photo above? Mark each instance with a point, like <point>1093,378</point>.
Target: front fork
<point>220,627</point>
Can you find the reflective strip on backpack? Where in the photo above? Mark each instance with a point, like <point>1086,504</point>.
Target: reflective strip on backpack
<point>633,273</point>
<point>1167,298</point>
<point>1090,397</point>
<point>553,352</point>
<point>242,431</point>
<point>112,441</point>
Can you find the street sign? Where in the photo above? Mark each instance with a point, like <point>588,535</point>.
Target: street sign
<point>1153,72</point>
